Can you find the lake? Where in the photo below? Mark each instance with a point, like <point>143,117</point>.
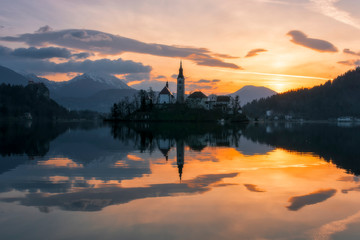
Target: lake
<point>179,181</point>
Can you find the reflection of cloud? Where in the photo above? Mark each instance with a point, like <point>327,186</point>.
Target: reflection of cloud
<point>356,189</point>
<point>253,188</point>
<point>255,52</point>
<point>97,198</point>
<point>325,231</point>
<point>310,199</point>
<point>101,42</point>
<point>328,8</point>
<point>300,38</point>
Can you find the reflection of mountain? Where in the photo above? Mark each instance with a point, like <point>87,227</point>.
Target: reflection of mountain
<point>335,144</point>
<point>98,198</point>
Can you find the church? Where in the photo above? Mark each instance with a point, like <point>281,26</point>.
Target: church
<point>196,99</point>
<point>165,95</point>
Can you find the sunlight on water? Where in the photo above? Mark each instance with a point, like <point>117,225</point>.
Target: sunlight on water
<point>242,182</point>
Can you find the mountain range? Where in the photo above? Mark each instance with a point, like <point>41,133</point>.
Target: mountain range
<point>99,91</point>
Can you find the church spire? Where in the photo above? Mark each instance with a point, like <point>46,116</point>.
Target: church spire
<point>181,75</point>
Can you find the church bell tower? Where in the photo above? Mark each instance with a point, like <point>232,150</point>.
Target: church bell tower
<point>180,95</point>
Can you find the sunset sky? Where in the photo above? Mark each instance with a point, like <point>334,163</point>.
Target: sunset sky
<point>224,45</point>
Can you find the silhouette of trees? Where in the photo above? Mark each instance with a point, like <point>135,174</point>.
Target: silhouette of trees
<point>332,99</point>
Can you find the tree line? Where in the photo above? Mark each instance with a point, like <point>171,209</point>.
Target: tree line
<point>332,99</point>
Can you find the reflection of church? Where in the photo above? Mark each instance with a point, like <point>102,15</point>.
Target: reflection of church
<point>165,145</point>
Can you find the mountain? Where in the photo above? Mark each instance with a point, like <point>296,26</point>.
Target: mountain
<point>9,76</point>
<point>249,93</point>
<point>88,84</point>
<point>332,99</point>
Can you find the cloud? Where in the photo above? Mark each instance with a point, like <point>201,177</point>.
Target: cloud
<point>255,52</point>
<point>174,76</point>
<point>328,8</point>
<point>299,202</point>
<point>302,39</point>
<point>350,62</point>
<point>137,76</point>
<point>160,77</point>
<point>207,81</point>
<point>101,42</point>
<point>42,53</point>
<point>43,67</point>
<point>348,51</point>
<point>44,29</point>
<point>82,55</point>
<point>253,188</point>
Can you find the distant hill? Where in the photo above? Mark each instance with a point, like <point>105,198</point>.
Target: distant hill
<point>9,76</point>
<point>29,102</point>
<point>333,99</point>
<point>249,93</point>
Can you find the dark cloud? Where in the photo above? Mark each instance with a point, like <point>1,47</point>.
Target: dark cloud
<point>137,76</point>
<point>160,77</point>
<point>42,67</point>
<point>310,199</point>
<point>255,52</point>
<point>91,40</point>
<point>302,39</point>
<point>203,81</point>
<point>348,51</point>
<point>44,29</point>
<point>42,53</point>
<point>174,76</point>
<point>350,62</point>
<point>253,188</point>
<point>82,55</point>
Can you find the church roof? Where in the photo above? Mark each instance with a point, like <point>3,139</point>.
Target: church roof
<point>197,94</point>
<point>165,91</point>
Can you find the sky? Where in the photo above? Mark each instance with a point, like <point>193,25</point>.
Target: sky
<point>224,45</point>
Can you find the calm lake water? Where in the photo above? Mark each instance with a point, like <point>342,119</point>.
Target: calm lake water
<point>179,181</point>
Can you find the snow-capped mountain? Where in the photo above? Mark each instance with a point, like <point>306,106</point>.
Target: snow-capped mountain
<point>102,78</point>
<point>249,93</point>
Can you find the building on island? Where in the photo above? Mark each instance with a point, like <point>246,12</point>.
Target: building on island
<point>196,99</point>
<point>165,96</point>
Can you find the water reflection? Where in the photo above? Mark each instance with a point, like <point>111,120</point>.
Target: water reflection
<point>211,181</point>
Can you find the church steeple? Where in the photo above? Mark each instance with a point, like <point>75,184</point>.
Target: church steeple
<point>180,94</point>
<point>181,74</point>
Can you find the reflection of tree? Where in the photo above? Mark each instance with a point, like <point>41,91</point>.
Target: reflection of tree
<point>337,145</point>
